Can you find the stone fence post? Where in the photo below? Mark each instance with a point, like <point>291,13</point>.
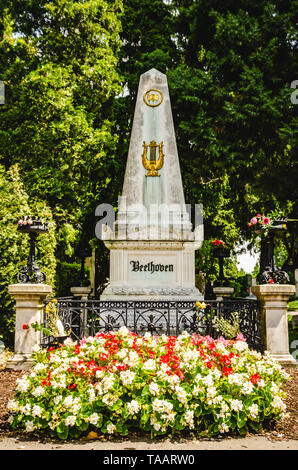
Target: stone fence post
<point>274,304</point>
<point>29,300</point>
<point>223,292</point>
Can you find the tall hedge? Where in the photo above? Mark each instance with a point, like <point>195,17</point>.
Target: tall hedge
<point>14,246</point>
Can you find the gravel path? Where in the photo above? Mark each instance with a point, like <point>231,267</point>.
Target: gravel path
<point>243,443</point>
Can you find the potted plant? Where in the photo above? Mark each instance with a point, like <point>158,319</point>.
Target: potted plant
<point>268,227</point>
<point>264,224</point>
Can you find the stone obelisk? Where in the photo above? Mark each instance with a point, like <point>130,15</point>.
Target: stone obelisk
<point>152,243</point>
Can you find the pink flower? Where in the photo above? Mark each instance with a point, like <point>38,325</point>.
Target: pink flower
<point>259,216</point>
<point>240,337</point>
<point>254,221</point>
<point>265,221</point>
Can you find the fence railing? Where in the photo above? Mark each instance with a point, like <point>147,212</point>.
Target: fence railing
<point>87,317</point>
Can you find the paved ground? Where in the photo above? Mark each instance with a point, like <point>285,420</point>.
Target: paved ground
<point>241,443</point>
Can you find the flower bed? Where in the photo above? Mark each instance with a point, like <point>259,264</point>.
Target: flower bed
<point>116,382</point>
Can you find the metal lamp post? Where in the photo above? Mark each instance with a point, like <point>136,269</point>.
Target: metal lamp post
<point>32,273</point>
<point>269,273</point>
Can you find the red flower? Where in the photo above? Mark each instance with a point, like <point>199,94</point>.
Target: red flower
<point>209,364</point>
<point>70,387</point>
<point>271,281</point>
<point>255,378</point>
<point>25,326</point>
<point>217,242</point>
<point>227,371</point>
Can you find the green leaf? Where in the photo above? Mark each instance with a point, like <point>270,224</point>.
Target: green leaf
<point>62,431</point>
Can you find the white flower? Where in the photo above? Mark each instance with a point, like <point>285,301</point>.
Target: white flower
<point>149,365</point>
<point>76,405</point>
<point>109,399</point>
<point>36,348</point>
<point>236,379</point>
<point>240,345</point>
<point>154,388</point>
<point>57,399</point>
<point>133,407</point>
<point>208,380</point>
<point>38,391</point>
<point>274,388</point>
<point>247,388</point>
<point>23,384</point>
<point>111,428</point>
<point>189,418</point>
<point>37,411</point>
<point>123,331</point>
<point>91,393</point>
<point>127,377</point>
<point>133,359</point>
<point>108,382</point>
<point>26,410</point>
<point>181,394</point>
<point>39,367</point>
<point>278,403</point>
<point>68,401</point>
<point>29,426</point>
<point>162,406</point>
<point>236,405</point>
<point>99,374</point>
<point>93,419</point>
<point>223,428</point>
<point>70,420</point>
<point>253,411</point>
<point>13,405</point>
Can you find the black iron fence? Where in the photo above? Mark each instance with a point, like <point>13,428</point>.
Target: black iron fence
<point>87,317</point>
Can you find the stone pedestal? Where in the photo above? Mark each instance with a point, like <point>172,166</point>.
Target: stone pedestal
<point>274,300</point>
<point>29,300</point>
<point>222,292</point>
<point>81,292</point>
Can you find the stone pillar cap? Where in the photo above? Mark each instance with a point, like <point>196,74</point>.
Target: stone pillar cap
<point>28,288</point>
<point>79,289</point>
<point>273,289</point>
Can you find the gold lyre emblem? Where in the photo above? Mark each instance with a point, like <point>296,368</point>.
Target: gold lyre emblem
<point>152,164</point>
<point>153,97</point>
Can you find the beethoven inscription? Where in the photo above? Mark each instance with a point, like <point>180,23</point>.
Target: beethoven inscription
<point>151,267</point>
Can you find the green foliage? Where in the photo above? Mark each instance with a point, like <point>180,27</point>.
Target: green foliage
<point>14,246</point>
<point>228,328</point>
<point>67,276</point>
<point>58,62</point>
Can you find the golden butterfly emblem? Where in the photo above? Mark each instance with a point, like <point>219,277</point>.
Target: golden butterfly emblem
<point>153,97</point>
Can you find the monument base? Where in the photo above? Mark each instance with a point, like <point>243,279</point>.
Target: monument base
<point>20,361</point>
<point>151,270</point>
<point>285,359</point>
<point>123,293</point>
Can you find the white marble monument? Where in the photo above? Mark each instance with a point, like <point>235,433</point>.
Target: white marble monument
<point>152,243</point>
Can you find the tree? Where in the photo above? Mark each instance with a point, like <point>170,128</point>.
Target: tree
<point>237,127</point>
<point>14,246</point>
<point>58,62</point>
